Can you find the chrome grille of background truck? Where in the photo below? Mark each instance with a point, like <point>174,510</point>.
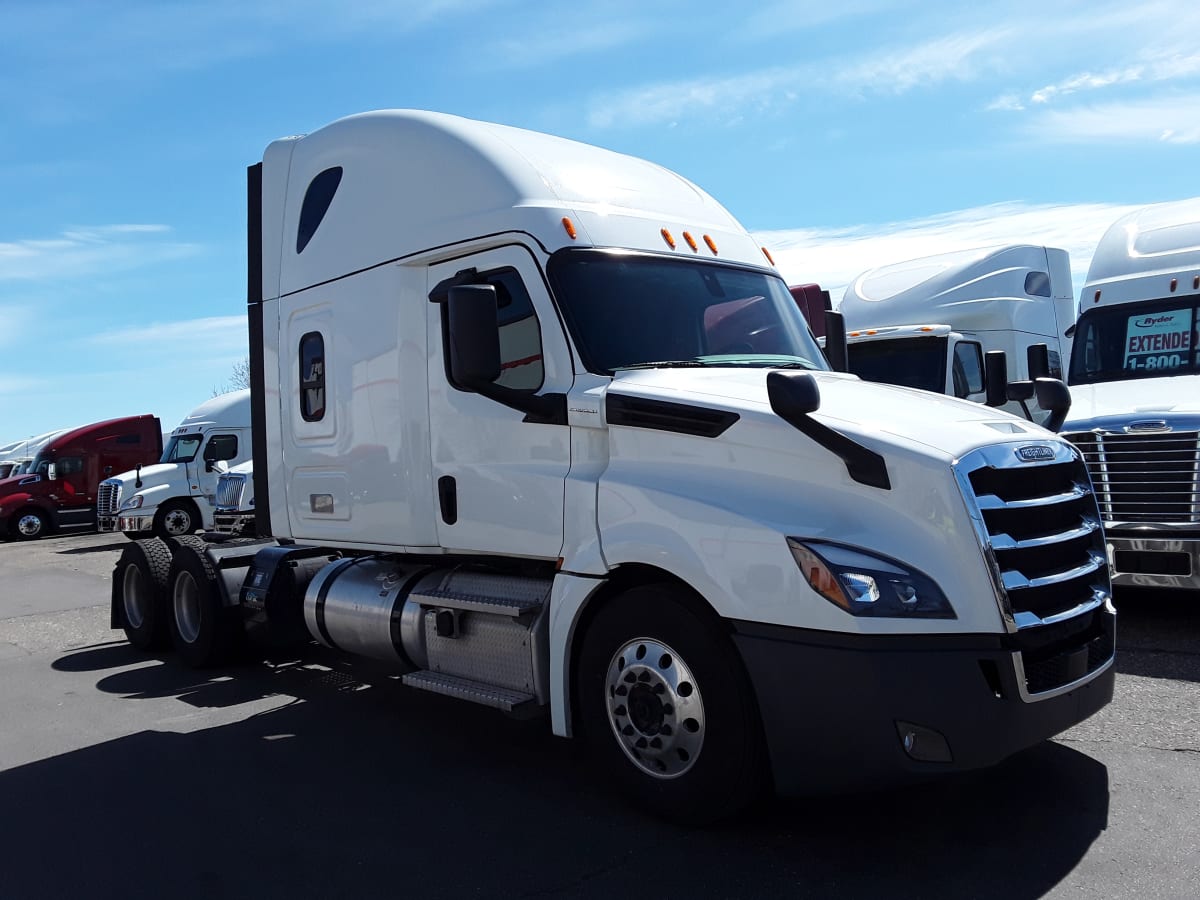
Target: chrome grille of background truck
<point>108,498</point>
<point>229,492</point>
<point>1144,478</point>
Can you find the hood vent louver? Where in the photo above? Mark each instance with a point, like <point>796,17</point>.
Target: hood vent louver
<point>661,415</point>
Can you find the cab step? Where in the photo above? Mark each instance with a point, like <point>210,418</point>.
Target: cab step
<point>473,691</point>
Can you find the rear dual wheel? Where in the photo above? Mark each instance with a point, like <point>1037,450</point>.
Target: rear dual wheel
<point>203,631</point>
<point>139,586</point>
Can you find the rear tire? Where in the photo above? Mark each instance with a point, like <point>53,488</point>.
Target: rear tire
<point>139,586</point>
<point>203,631</point>
<point>666,708</point>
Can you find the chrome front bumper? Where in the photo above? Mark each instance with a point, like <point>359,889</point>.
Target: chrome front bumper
<point>1154,562</point>
<point>135,523</point>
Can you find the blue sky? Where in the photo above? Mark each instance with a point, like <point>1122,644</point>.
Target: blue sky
<point>845,135</point>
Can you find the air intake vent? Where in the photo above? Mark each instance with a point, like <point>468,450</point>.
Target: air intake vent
<point>660,415</point>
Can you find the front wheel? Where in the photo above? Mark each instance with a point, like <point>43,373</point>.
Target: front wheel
<point>28,524</point>
<point>666,707</point>
<point>175,518</point>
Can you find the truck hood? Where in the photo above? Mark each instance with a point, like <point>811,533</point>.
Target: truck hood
<point>1111,403</point>
<point>152,476</point>
<point>941,426</point>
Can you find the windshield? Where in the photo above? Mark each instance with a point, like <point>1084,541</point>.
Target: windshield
<point>1136,340</point>
<point>181,448</point>
<point>627,310</point>
<point>918,362</point>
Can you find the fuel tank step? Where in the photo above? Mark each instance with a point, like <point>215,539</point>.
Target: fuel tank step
<point>467,602</point>
<point>465,689</point>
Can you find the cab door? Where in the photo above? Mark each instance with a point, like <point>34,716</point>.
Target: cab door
<point>221,446</point>
<point>499,478</point>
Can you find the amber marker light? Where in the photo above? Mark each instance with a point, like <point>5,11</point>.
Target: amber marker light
<point>711,245</point>
<point>691,241</point>
<point>568,227</point>
<point>767,254</point>
<point>1096,299</point>
<point>1174,284</point>
<point>667,237</point>
<point>926,328</point>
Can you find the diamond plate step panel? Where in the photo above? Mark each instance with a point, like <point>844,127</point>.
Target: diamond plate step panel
<point>497,606</point>
<point>465,689</point>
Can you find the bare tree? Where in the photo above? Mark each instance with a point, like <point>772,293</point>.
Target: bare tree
<point>239,378</point>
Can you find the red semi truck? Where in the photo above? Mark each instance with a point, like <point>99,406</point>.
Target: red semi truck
<point>59,491</point>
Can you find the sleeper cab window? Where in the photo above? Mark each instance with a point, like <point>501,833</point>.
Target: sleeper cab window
<point>312,377</point>
<point>316,203</point>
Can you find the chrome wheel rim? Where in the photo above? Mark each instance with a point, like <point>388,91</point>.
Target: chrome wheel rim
<point>29,525</point>
<point>177,522</point>
<point>654,708</point>
<point>136,599</point>
<point>187,607</point>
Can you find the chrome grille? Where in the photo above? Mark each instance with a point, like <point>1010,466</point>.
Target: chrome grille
<point>229,491</point>
<point>108,498</point>
<point>1041,528</point>
<point>1144,478</point>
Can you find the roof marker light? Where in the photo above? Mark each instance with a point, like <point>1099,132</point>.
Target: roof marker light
<point>667,237</point>
<point>1096,299</point>
<point>926,328</point>
<point>767,254</point>
<point>711,246</point>
<point>1174,284</point>
<point>1196,283</point>
<point>569,227</point>
<point>691,241</point>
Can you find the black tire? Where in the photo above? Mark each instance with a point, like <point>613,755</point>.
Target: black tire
<point>176,518</point>
<point>710,762</point>
<point>28,524</point>
<point>203,632</point>
<point>139,593</point>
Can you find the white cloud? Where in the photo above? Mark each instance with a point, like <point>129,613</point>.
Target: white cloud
<point>215,334</point>
<point>953,57</point>
<point>1007,103</point>
<point>82,251</point>
<point>562,42</point>
<point>833,257</point>
<point>1171,119</point>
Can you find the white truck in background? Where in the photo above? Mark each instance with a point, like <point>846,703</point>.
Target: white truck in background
<point>176,497</point>
<point>928,323</point>
<point>15,458</point>
<point>1135,380</point>
<point>684,540</point>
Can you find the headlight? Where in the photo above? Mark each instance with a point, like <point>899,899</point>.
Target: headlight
<point>864,584</point>
<point>132,503</point>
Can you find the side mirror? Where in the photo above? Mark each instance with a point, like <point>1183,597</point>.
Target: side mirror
<point>1054,395</point>
<point>793,395</point>
<point>835,342</point>
<point>52,472</point>
<point>473,333</point>
<point>995,370</point>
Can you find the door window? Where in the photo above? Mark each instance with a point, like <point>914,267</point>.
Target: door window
<point>221,447</point>
<point>968,368</point>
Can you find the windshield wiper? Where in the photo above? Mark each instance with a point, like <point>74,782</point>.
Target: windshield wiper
<point>664,364</point>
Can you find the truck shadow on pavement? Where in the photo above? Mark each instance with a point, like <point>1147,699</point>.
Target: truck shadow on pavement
<point>96,548</point>
<point>358,787</point>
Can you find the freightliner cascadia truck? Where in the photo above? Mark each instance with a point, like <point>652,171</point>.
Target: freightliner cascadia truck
<point>176,496</point>
<point>1135,380</point>
<point>928,322</point>
<point>540,425</point>
<point>58,493</point>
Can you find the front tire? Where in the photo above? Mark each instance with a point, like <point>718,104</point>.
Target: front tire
<point>139,586</point>
<point>666,708</point>
<point>176,518</point>
<point>202,629</point>
<point>29,524</point>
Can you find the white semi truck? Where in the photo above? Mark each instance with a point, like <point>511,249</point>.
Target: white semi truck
<point>928,323</point>
<point>176,496</point>
<point>1135,380</point>
<point>538,424</point>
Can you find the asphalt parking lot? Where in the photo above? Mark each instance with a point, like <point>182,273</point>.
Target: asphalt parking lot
<point>125,775</point>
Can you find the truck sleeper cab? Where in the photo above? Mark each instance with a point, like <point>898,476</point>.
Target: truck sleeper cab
<point>1135,377</point>
<point>539,425</point>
